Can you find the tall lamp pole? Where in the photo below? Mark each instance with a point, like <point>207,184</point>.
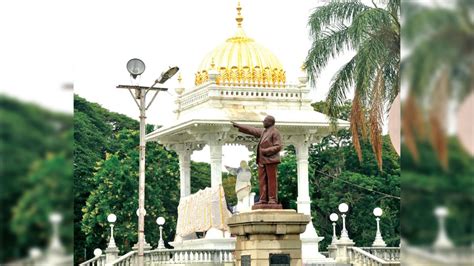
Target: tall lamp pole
<point>136,67</point>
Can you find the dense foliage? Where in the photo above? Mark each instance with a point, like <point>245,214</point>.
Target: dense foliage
<point>428,185</point>
<point>115,191</point>
<point>106,180</point>
<point>94,133</point>
<point>35,153</point>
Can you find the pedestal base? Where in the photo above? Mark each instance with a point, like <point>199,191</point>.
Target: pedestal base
<point>111,254</point>
<point>342,254</point>
<point>146,246</point>
<point>259,206</point>
<point>268,235</point>
<point>205,244</point>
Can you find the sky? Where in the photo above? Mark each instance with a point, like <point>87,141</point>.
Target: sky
<point>90,42</point>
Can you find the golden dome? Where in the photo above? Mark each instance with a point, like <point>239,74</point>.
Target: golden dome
<point>240,60</point>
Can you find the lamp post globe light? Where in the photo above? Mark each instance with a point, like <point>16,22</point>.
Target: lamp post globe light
<point>378,242</point>
<point>343,208</point>
<point>55,245</point>
<point>111,218</point>
<point>97,252</point>
<point>136,67</point>
<point>333,217</point>
<point>34,253</point>
<point>160,221</point>
<point>442,240</point>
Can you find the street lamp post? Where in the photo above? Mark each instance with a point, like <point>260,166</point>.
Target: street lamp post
<point>112,251</point>
<point>333,217</point>
<point>111,218</point>
<point>55,246</point>
<point>343,207</point>
<point>378,242</point>
<point>136,67</point>
<point>442,240</point>
<point>160,221</point>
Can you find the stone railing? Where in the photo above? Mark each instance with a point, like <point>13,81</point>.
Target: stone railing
<point>358,256</point>
<point>171,256</point>
<point>193,98</point>
<point>286,92</point>
<point>385,253</point>
<point>95,261</point>
<point>126,260</point>
<point>437,256</point>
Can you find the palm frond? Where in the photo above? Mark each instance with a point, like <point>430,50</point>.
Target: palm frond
<point>374,33</point>
<point>357,121</point>
<point>375,117</point>
<point>334,12</point>
<point>411,119</point>
<point>438,118</point>
<point>340,84</point>
<point>333,43</point>
<point>421,25</point>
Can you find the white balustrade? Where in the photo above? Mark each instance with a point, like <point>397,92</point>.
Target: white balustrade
<point>170,256</point>
<point>199,95</point>
<point>362,257</point>
<point>385,253</point>
<point>96,261</point>
<point>126,260</point>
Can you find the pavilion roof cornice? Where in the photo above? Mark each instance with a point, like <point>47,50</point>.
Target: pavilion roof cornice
<point>225,125</point>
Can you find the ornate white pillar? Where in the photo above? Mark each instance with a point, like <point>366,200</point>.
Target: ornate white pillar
<point>309,239</point>
<point>185,172</point>
<point>303,199</point>
<point>184,151</point>
<point>215,146</point>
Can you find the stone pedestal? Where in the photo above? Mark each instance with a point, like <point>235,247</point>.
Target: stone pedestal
<point>332,249</point>
<point>146,246</point>
<point>263,235</point>
<point>111,254</point>
<point>342,253</point>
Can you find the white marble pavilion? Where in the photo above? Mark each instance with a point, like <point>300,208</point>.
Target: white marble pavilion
<point>242,81</point>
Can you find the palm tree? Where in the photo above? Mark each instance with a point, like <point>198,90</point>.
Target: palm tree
<point>438,69</point>
<point>373,32</point>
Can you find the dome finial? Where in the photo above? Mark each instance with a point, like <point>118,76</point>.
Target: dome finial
<point>180,89</point>
<point>239,17</point>
<point>212,63</point>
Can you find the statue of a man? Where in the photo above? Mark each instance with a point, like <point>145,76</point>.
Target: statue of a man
<point>268,158</point>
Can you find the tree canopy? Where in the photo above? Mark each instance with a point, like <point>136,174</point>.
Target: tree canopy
<point>35,148</point>
<point>106,180</point>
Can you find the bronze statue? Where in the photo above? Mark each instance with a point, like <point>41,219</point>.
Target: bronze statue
<point>268,158</point>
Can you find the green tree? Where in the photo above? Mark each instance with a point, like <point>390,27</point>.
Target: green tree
<point>374,34</point>
<point>428,185</point>
<point>50,190</point>
<point>95,130</point>
<point>115,191</point>
<point>28,133</point>
<point>362,185</point>
<point>200,176</point>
